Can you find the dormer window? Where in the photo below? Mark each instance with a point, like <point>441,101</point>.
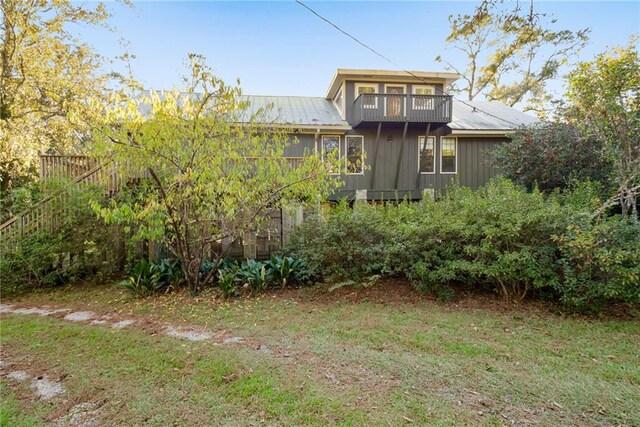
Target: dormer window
<point>423,103</point>
<point>367,88</point>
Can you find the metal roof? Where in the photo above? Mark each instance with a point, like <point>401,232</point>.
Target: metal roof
<point>487,116</point>
<point>298,110</point>
<point>312,111</point>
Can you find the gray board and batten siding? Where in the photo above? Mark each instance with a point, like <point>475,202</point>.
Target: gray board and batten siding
<point>474,165</point>
<point>391,138</point>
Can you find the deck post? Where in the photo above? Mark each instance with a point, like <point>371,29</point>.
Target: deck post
<point>249,244</point>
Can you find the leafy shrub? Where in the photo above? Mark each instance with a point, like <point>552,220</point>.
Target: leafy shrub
<point>349,244</point>
<point>228,282</point>
<point>552,155</point>
<point>284,269</point>
<point>600,263</point>
<point>231,275</point>
<point>77,249</point>
<point>151,277</point>
<point>253,273</point>
<point>143,280</point>
<point>501,237</point>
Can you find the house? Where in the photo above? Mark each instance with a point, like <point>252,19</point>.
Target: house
<point>398,134</point>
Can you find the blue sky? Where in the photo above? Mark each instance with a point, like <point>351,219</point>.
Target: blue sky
<point>280,48</point>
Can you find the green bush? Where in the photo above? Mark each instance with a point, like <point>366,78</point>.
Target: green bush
<point>284,269</point>
<point>75,250</point>
<point>552,155</point>
<point>600,263</point>
<point>349,244</point>
<point>279,271</point>
<point>150,277</point>
<point>501,237</point>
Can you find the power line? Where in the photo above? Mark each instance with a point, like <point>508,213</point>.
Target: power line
<point>475,108</point>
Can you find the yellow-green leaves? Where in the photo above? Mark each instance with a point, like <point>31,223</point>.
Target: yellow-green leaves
<point>214,166</point>
<point>510,54</point>
<point>47,82</point>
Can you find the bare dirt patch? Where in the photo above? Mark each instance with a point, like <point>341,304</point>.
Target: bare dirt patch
<point>122,324</point>
<point>81,415</point>
<point>18,375</point>
<point>80,316</point>
<point>189,334</point>
<point>45,388</point>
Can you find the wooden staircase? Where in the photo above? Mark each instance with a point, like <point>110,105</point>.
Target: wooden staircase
<point>47,214</point>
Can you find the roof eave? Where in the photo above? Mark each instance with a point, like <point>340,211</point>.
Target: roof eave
<point>482,132</point>
<point>343,74</point>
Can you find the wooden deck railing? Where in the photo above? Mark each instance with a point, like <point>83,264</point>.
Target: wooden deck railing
<point>46,214</point>
<point>82,170</point>
<point>382,107</point>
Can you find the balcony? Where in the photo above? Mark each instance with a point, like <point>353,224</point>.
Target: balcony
<point>392,108</point>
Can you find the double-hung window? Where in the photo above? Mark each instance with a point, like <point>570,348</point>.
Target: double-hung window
<point>448,155</point>
<point>423,102</point>
<point>354,145</point>
<point>368,91</point>
<point>427,157</point>
<point>331,152</point>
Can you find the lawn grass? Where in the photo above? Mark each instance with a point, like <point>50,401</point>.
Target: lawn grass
<point>314,358</point>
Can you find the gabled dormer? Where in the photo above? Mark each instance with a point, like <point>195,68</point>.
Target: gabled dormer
<point>379,96</point>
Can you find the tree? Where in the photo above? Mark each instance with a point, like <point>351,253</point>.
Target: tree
<point>214,167</point>
<point>604,102</point>
<point>552,155</point>
<point>511,54</point>
<point>47,77</point>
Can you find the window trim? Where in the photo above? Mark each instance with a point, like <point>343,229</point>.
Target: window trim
<point>456,158</point>
<point>413,100</point>
<point>322,150</point>
<point>375,87</point>
<point>420,152</point>
<point>346,155</point>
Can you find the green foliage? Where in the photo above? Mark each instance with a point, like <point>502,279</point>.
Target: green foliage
<point>47,74</point>
<point>76,250</point>
<point>258,275</point>
<point>511,53</point>
<point>142,280</point>
<point>228,282</point>
<point>349,244</point>
<point>253,273</point>
<point>550,156</point>
<point>501,237</point>
<point>19,199</point>
<point>604,100</point>
<point>217,186</point>
<point>600,263</point>
<point>498,236</point>
<point>284,269</point>
<point>151,277</point>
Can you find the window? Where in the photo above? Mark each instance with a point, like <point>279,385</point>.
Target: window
<point>448,154</point>
<point>367,88</point>
<point>427,157</point>
<point>354,154</point>
<point>420,103</point>
<point>331,150</point>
